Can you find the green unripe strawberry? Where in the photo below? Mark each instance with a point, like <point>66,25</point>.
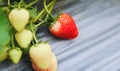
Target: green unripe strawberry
<point>19,18</point>
<point>15,55</point>
<point>24,38</point>
<point>40,54</point>
<point>3,53</point>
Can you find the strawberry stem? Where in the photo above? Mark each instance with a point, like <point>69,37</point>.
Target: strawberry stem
<point>19,5</point>
<point>41,14</point>
<point>31,4</point>
<point>35,38</point>
<point>36,26</point>
<point>9,3</point>
<point>48,11</point>
<point>12,40</point>
<point>33,32</point>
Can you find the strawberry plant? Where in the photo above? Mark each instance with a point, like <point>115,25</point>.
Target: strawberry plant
<point>63,26</point>
<point>19,23</point>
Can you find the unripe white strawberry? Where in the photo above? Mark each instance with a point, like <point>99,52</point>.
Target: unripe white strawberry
<point>15,55</point>
<point>40,54</point>
<point>19,18</point>
<point>52,67</point>
<point>24,38</point>
<point>3,53</point>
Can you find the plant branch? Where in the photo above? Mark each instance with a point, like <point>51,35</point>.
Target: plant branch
<point>12,40</point>
<point>9,3</point>
<point>50,9</point>
<point>33,32</point>
<point>36,26</point>
<point>31,3</point>
<point>41,14</point>
<point>45,6</point>
<point>19,5</point>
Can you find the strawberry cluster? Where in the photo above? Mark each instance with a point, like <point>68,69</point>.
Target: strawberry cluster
<point>23,18</point>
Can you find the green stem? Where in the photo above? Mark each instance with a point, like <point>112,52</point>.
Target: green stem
<point>41,14</point>
<point>50,9</point>
<point>12,40</point>
<point>33,32</point>
<point>9,3</point>
<point>19,5</point>
<point>35,38</point>
<point>36,26</point>
<point>45,6</point>
<point>31,3</point>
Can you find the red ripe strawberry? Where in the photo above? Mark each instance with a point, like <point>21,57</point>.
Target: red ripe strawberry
<point>64,27</point>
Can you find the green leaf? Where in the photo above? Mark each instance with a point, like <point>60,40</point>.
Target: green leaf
<point>33,12</point>
<point>4,29</point>
<point>4,39</point>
